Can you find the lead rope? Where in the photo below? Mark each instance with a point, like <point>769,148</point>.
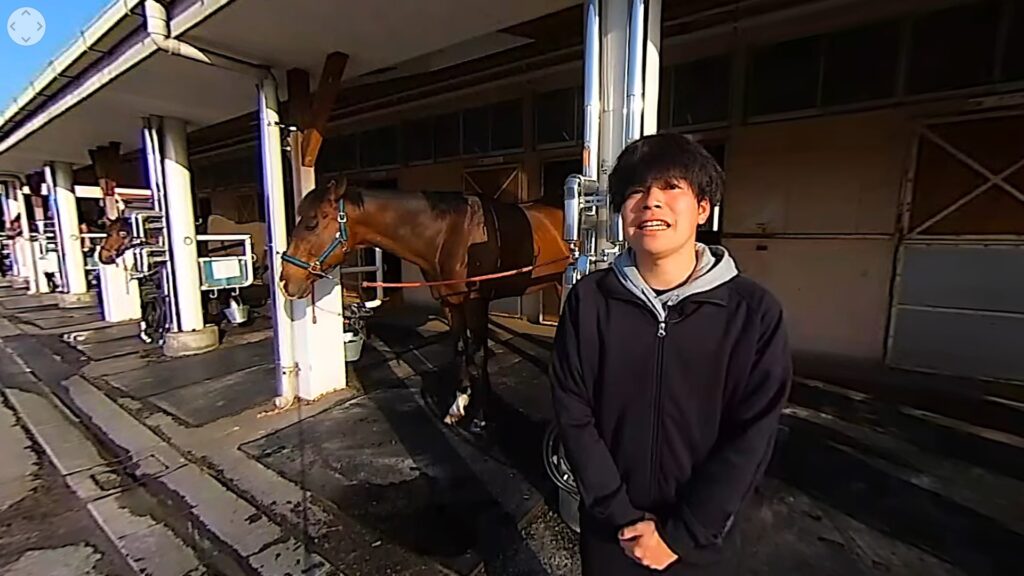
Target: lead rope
<point>312,301</point>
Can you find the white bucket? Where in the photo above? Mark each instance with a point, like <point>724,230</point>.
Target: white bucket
<point>236,312</point>
<point>353,346</point>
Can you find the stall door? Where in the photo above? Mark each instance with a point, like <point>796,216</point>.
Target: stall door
<point>504,183</point>
<point>958,305</point>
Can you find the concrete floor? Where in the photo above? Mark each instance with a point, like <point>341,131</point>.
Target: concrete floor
<point>861,484</point>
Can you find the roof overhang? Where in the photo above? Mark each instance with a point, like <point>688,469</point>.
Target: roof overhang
<point>105,100</point>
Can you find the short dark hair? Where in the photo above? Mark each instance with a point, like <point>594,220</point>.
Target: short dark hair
<point>660,158</point>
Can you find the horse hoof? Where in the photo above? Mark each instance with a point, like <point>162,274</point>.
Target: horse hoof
<point>478,427</point>
<point>458,408</point>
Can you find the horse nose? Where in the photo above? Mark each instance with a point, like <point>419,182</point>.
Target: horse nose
<point>293,290</point>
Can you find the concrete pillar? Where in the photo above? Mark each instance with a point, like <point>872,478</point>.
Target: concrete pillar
<point>319,322</point>
<point>119,293</point>
<point>37,283</point>
<point>60,179</point>
<point>191,336</point>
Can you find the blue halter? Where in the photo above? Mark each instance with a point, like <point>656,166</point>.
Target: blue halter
<point>340,240</point>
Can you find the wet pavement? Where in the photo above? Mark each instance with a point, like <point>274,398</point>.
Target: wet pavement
<point>45,530</point>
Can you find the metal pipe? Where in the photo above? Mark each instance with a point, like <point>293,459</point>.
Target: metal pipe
<point>652,67</point>
<point>159,32</point>
<point>635,72</point>
<point>277,219</point>
<point>573,192</point>
<point>615,51</point>
<point>591,87</point>
<point>378,256</point>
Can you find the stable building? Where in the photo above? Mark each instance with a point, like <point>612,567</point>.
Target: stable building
<point>873,153</point>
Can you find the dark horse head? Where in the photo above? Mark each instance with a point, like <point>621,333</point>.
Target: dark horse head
<point>118,240</point>
<point>322,238</point>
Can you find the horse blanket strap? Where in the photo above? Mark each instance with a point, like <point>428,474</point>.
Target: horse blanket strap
<point>340,240</point>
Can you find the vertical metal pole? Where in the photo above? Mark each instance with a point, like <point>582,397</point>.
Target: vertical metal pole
<point>614,49</point>
<point>158,196</point>
<point>635,72</point>
<point>181,225</point>
<point>652,67</point>
<point>60,179</point>
<point>277,220</point>
<point>591,87</point>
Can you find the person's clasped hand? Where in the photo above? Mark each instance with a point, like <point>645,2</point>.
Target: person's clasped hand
<point>643,543</point>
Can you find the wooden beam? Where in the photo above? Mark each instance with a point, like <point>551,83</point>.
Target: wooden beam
<point>326,94</point>
<point>298,97</point>
<point>106,162</point>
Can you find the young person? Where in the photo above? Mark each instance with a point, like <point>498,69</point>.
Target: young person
<point>669,373</point>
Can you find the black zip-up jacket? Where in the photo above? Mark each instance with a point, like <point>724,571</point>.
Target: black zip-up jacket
<point>675,418</point>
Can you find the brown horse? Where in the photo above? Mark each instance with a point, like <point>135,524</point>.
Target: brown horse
<point>117,242</point>
<point>464,245</point>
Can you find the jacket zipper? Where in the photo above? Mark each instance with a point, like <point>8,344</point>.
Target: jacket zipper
<point>655,418</point>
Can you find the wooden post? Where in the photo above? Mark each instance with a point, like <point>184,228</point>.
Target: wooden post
<point>318,334</point>
<point>106,161</point>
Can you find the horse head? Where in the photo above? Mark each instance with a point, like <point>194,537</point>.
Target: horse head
<point>117,241</point>
<point>320,240</point>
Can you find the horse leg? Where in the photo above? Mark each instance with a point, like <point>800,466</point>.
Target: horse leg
<point>476,320</point>
<point>457,341</point>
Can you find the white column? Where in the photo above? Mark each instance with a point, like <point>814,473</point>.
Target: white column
<point>60,178</point>
<point>37,283</point>
<point>319,323</point>
<point>181,225</point>
<point>119,293</point>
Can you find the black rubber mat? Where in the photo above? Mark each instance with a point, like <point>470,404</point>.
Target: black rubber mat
<point>387,463</point>
<point>29,301</point>
<point>48,313</point>
<point>210,400</point>
<point>170,374</point>
<point>66,321</point>
<point>114,348</point>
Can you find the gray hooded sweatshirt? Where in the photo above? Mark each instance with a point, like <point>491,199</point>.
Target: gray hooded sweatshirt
<point>714,267</point>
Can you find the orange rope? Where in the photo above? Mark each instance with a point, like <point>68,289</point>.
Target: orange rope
<point>460,280</point>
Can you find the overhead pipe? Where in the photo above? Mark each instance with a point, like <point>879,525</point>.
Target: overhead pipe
<point>158,28</point>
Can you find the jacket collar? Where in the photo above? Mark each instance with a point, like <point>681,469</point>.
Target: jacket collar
<point>611,286</point>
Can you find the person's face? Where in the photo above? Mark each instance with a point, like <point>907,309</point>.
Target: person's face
<point>663,219</point>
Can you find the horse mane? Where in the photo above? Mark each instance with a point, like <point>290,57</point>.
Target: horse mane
<point>441,202</point>
<point>445,203</point>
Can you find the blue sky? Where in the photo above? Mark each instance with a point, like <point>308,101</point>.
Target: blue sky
<point>20,64</point>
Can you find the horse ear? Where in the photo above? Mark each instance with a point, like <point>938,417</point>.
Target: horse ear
<point>336,189</point>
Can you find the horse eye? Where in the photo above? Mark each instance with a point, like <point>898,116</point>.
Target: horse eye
<point>312,225</point>
<point>123,234</point>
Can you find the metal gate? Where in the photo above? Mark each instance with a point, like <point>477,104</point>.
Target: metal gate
<point>505,184</point>
<point>958,295</point>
